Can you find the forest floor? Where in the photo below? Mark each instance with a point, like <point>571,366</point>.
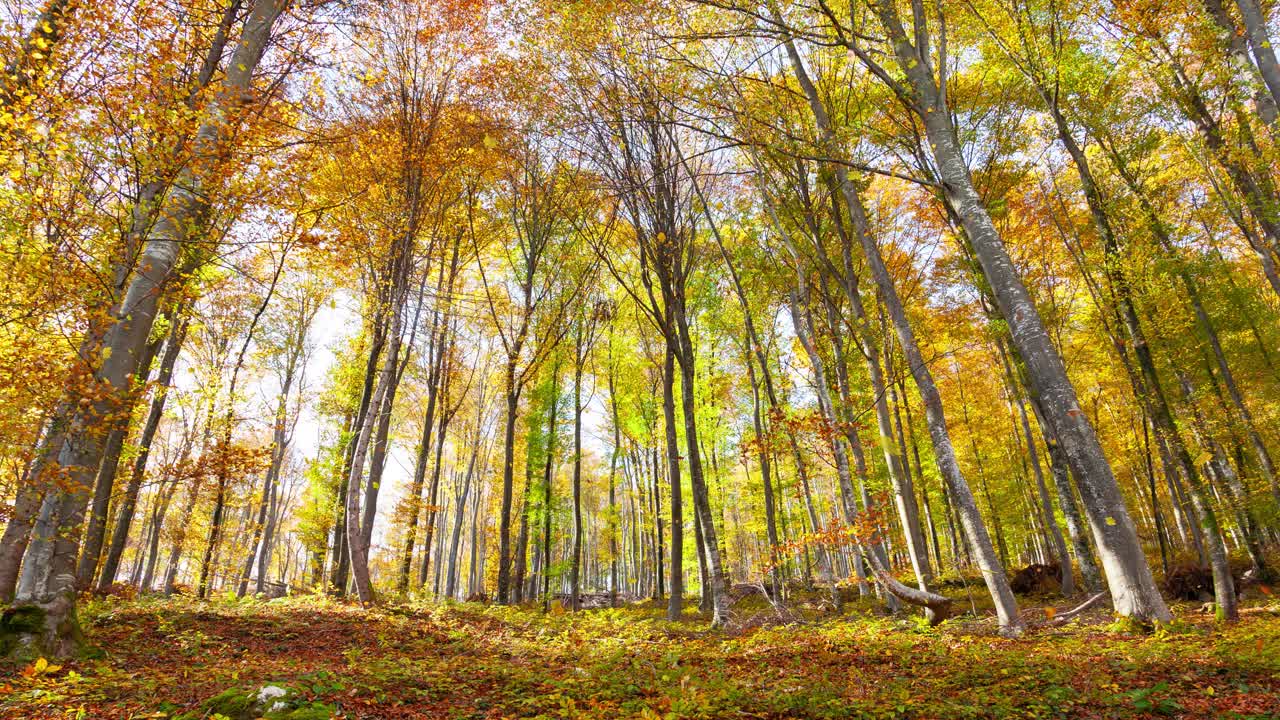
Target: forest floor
<point>178,658</point>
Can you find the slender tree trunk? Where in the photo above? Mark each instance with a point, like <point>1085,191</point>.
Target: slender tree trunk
<point>575,567</point>
<point>451,578</point>
<point>153,536</point>
<point>701,496</point>
<point>521,560</point>
<point>1042,490</point>
<point>268,541</point>
<point>434,495</point>
<point>357,547</point>
<point>340,557</point>
<point>381,420</point>
<point>675,604</point>
<point>508,481</point>
<point>614,454</point>
<point>548,476</point>
<point>660,554</point>
<point>279,446</point>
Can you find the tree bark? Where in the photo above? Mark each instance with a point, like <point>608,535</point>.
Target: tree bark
<point>512,394</point>
<point>1255,24</point>
<point>675,602</point>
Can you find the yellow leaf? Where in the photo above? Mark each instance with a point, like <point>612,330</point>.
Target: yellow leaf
<point>40,665</point>
<point>1049,612</point>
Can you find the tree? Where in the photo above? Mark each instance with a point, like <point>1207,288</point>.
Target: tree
<point>58,634</point>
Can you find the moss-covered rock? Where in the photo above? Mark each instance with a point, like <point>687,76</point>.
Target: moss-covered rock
<point>19,626</point>
<point>234,703</point>
<point>309,711</point>
<point>272,702</point>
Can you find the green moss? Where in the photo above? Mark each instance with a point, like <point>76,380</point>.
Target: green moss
<point>233,703</point>
<point>23,618</point>
<point>17,624</point>
<point>1131,625</point>
<point>241,704</point>
<point>310,711</point>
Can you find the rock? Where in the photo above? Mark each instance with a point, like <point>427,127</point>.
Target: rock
<point>271,698</point>
<point>1193,582</point>
<point>271,702</point>
<point>1037,579</point>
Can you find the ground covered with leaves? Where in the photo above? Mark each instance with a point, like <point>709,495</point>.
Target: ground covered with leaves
<point>318,659</point>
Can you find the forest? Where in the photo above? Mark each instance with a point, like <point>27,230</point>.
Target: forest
<point>639,359</point>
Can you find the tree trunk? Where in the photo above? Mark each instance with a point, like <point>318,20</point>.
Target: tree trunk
<point>575,567</point>
<point>508,482</point>
<point>613,472</point>
<point>701,497</point>
<point>30,500</point>
<point>548,476</point>
<point>433,496</point>
<point>279,446</point>
<point>382,420</point>
<point>357,545</point>
<point>675,604</point>
<point>1255,24</point>
<point>451,578</point>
